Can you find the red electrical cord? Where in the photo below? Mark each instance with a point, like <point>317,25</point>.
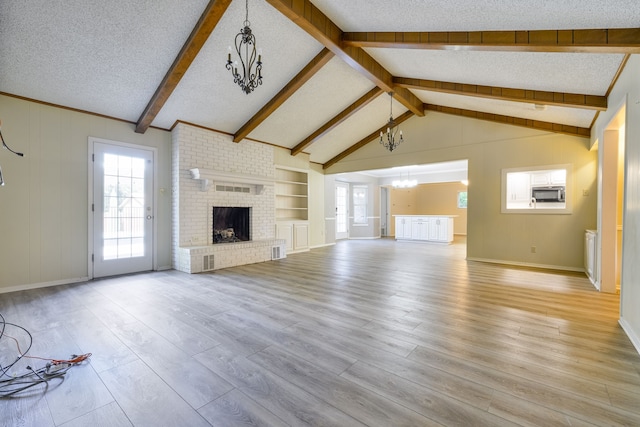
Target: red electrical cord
<point>75,360</point>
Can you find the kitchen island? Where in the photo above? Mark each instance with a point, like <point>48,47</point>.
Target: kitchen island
<point>427,228</point>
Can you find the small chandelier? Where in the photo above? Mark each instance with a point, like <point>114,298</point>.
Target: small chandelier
<point>389,140</point>
<point>6,147</point>
<point>246,48</point>
<point>404,183</point>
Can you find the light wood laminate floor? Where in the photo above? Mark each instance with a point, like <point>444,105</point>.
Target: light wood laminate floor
<point>375,333</point>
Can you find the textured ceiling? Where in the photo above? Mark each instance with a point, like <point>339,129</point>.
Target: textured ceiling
<point>109,57</point>
<point>485,15</point>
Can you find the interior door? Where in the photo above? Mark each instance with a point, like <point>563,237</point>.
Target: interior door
<point>122,209</point>
<point>342,210</point>
<point>384,211</point>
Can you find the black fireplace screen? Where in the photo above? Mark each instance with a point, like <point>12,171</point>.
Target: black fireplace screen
<point>231,224</point>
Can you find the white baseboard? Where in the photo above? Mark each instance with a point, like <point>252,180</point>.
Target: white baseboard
<point>164,268</point>
<point>626,327</point>
<point>324,245</point>
<point>528,264</point>
<point>364,238</point>
<point>43,285</point>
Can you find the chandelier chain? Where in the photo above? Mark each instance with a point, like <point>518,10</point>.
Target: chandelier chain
<point>389,141</point>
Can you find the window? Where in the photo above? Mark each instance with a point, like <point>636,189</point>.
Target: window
<point>537,190</point>
<point>360,205</point>
<point>462,199</point>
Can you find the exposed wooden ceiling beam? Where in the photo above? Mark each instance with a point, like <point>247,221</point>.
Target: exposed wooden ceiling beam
<point>364,141</point>
<point>517,121</point>
<point>289,89</point>
<point>318,25</point>
<point>616,40</point>
<point>341,117</point>
<point>199,35</point>
<point>591,102</point>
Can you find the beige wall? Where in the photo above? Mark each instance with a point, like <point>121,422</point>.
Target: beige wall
<point>489,148</point>
<point>44,205</point>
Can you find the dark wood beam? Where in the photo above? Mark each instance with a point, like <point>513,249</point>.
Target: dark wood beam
<point>591,102</point>
<point>289,89</point>
<point>199,35</point>
<point>516,121</point>
<point>364,141</point>
<point>341,117</point>
<point>616,40</point>
<point>318,25</point>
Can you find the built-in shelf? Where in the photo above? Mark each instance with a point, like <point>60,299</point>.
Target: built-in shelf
<point>292,203</point>
<point>206,177</point>
<point>291,188</point>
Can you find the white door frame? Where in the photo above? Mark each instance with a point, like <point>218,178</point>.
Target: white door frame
<point>344,235</point>
<point>90,239</point>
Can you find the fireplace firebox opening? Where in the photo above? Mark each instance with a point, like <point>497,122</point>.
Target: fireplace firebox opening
<point>231,224</point>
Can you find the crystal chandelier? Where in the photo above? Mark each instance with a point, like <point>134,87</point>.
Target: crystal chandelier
<point>249,78</point>
<point>388,140</point>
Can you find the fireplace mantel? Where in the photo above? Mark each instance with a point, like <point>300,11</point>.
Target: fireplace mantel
<point>206,176</point>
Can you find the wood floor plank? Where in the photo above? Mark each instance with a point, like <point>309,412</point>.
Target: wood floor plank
<point>330,360</point>
<point>292,404</point>
<point>344,395</point>
<point>29,409</point>
<point>546,396</point>
<point>107,416</point>
<point>146,400</point>
<point>431,404</point>
<point>235,409</point>
<point>196,384</point>
<point>526,413</point>
<point>448,384</point>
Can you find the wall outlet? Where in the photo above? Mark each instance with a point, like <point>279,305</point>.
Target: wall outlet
<point>533,249</point>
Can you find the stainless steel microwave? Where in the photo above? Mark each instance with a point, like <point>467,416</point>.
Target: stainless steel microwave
<point>548,194</point>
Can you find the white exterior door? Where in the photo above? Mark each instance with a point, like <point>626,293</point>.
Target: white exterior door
<point>122,209</point>
<point>342,210</point>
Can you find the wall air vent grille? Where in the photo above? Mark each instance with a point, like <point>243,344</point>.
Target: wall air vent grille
<point>278,252</point>
<point>233,189</point>
<point>208,263</point>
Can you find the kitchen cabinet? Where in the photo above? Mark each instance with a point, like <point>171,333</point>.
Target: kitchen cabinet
<point>403,228</point>
<point>427,228</point>
<point>420,228</point>
<point>518,187</point>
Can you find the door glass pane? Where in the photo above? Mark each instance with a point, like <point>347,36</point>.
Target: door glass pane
<point>123,224</point>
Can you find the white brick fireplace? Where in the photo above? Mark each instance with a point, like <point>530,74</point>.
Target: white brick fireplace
<point>209,169</point>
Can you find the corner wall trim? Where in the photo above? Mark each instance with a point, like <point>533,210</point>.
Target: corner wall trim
<point>43,284</point>
<point>528,264</point>
<point>324,245</point>
<point>626,327</point>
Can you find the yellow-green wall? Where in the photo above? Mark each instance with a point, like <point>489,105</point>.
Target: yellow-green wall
<point>44,205</point>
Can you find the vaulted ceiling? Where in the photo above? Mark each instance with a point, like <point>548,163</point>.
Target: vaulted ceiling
<point>327,64</point>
